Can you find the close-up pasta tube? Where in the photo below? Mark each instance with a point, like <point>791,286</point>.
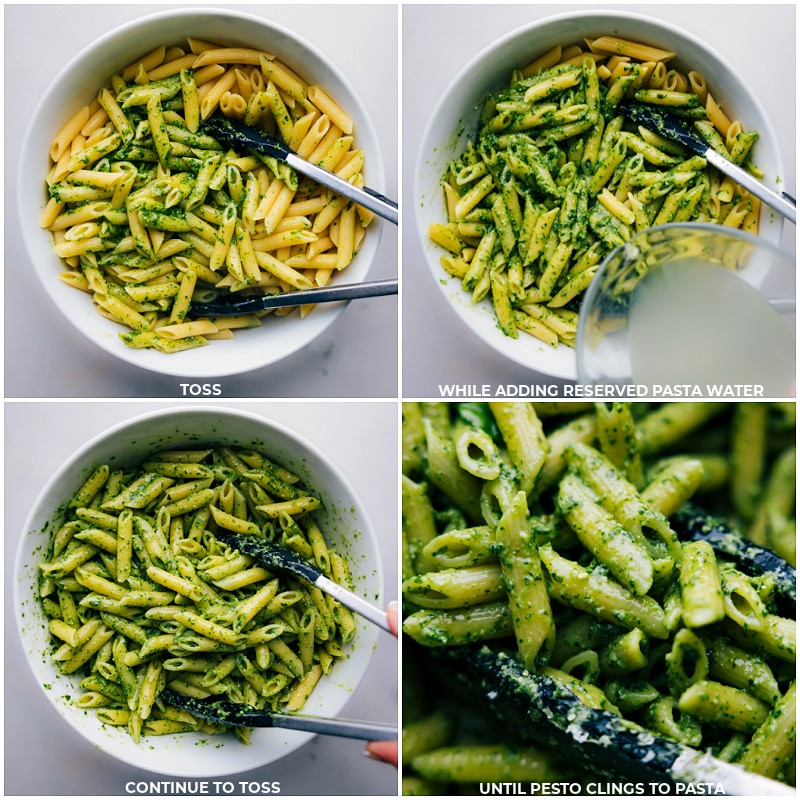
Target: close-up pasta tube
<point>614,564</point>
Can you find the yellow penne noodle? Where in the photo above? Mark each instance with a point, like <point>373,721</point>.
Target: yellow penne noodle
<point>282,271</point>
<point>149,61</point>
<point>717,116</point>
<point>64,138</point>
<point>325,143</point>
<point>327,105</point>
<point>182,330</point>
<point>211,93</point>
<point>698,85</point>
<point>637,50</point>
<point>98,119</point>
<point>226,55</point>
<point>233,105</point>
<point>313,137</point>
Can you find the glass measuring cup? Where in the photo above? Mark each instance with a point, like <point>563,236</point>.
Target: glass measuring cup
<point>691,305</point>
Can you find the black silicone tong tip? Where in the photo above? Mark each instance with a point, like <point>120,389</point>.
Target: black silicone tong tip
<point>269,554</point>
<point>221,711</point>
<point>242,137</point>
<point>225,712</point>
<point>663,123</point>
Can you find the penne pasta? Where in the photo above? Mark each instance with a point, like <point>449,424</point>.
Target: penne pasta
<point>134,180</point>
<point>580,589</point>
<point>525,229</point>
<point>140,594</point>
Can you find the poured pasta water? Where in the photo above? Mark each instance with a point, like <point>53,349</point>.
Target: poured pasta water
<point>697,323</point>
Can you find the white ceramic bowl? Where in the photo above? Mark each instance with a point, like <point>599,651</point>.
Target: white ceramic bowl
<point>343,520</point>
<point>454,121</point>
<point>79,82</point>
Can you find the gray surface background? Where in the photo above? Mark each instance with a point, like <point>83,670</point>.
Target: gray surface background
<point>43,755</point>
<point>438,42</point>
<point>355,357</point>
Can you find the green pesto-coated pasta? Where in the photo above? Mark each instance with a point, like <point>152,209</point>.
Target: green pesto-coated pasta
<point>456,588</point>
<point>701,586</point>
<point>460,626</point>
<point>524,438</point>
<point>461,548</point>
<point>687,661</point>
<point>741,598</point>
<point>616,435</point>
<point>723,705</point>
<point>483,764</point>
<point>737,667</point>
<point>629,695</point>
<point>600,596</point>
<point>446,474</point>
<point>418,522</point>
<point>699,649</point>
<point>425,734</point>
<point>610,543</point>
<point>774,741</point>
<point>773,525</point>
<point>522,574</point>
<point>625,653</point>
<point>580,429</point>
<point>671,422</point>
<point>748,456</point>
<point>621,498</point>
<point>672,484</point>
<point>660,716</point>
<point>413,438</point>
<point>777,637</point>
<point>142,594</point>
<point>476,452</point>
<point>591,695</point>
<point>414,786</point>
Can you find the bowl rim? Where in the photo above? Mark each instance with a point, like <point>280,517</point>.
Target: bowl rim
<point>304,330</point>
<point>309,451</point>
<point>495,340</point>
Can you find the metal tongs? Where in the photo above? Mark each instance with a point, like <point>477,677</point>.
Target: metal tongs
<point>226,712</point>
<point>233,304</point>
<point>235,134</point>
<point>678,130</point>
<point>274,555</point>
<point>541,709</point>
